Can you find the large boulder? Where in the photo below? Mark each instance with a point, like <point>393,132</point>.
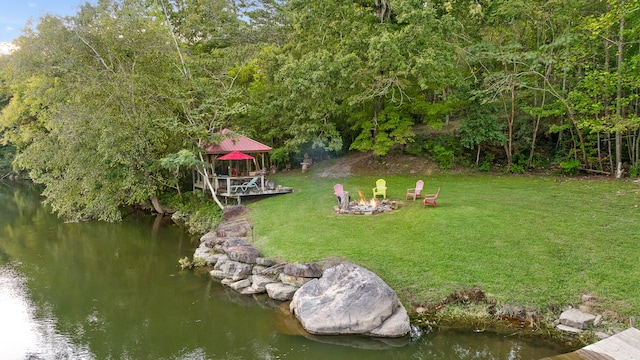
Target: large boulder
<point>349,299</point>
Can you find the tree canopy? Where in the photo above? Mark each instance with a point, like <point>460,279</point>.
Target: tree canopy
<point>96,105</point>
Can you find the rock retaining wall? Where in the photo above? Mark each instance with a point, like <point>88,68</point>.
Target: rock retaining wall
<point>334,298</point>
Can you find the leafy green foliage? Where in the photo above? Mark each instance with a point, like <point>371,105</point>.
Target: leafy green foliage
<point>442,155</point>
<point>570,167</point>
<point>359,78</point>
<point>100,105</point>
<point>94,128</point>
<point>486,164</point>
<point>185,263</point>
<point>481,129</point>
<point>415,146</point>
<point>519,164</point>
<point>183,159</point>
<point>443,149</point>
<point>195,211</point>
<point>7,154</point>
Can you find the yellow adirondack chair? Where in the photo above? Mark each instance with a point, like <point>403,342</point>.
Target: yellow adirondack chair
<point>380,189</point>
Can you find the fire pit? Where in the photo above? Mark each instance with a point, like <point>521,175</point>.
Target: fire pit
<point>363,206</point>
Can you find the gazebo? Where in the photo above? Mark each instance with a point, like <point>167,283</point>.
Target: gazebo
<point>233,141</point>
<point>245,163</point>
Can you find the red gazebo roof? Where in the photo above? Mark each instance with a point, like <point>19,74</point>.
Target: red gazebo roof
<point>236,142</point>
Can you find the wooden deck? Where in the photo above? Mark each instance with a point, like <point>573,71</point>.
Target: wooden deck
<point>222,185</point>
<point>239,195</point>
<point>621,346</point>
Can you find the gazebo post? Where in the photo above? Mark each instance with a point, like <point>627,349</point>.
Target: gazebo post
<point>262,171</point>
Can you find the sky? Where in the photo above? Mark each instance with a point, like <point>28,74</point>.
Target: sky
<point>15,13</point>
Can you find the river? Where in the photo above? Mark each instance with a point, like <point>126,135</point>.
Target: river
<point>92,290</point>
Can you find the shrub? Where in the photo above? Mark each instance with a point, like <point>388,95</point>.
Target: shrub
<point>488,161</point>
<point>570,167</point>
<point>519,164</point>
<point>199,214</point>
<point>517,169</point>
<point>443,150</point>
<point>416,147</point>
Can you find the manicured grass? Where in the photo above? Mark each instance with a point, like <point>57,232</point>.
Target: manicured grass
<point>533,241</point>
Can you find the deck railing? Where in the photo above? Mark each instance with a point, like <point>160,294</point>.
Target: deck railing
<point>222,183</point>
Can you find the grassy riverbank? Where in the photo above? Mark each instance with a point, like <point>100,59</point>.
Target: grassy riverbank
<point>538,242</point>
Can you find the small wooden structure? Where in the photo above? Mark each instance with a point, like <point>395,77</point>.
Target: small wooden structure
<point>622,346</point>
<point>225,178</point>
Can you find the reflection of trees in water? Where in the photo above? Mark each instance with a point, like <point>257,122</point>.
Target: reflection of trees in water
<point>21,213</point>
<point>29,332</point>
<point>21,199</point>
<point>99,280</point>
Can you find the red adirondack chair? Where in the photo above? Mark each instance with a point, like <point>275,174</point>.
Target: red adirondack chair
<point>415,192</point>
<point>338,190</point>
<point>430,199</point>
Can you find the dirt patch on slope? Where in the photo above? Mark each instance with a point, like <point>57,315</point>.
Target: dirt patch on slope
<point>363,164</point>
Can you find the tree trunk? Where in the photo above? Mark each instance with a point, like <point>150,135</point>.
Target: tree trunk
<point>156,205</point>
<point>510,120</point>
<point>205,175</point>
<point>619,94</point>
<point>600,166</point>
<point>444,98</point>
<point>606,107</point>
<point>537,124</point>
<point>383,9</point>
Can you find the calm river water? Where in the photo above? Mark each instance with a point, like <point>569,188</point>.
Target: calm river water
<point>115,291</point>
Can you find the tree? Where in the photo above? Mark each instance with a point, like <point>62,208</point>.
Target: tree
<point>97,88</point>
<point>613,27</point>
<point>358,71</point>
<point>219,47</point>
<point>481,130</point>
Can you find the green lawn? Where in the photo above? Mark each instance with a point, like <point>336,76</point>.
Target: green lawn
<point>532,241</point>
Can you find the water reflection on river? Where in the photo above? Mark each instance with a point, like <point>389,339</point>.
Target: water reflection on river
<point>97,291</point>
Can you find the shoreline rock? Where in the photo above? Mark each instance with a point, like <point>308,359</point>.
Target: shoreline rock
<point>338,299</point>
<point>349,299</point>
